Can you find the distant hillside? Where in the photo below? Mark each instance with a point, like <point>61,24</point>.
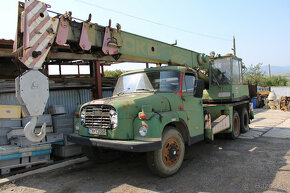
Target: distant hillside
<point>276,69</point>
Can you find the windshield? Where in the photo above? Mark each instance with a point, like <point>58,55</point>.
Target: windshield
<point>221,71</point>
<point>160,81</point>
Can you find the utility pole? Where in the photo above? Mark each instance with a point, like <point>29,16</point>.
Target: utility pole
<point>234,45</point>
<point>269,71</point>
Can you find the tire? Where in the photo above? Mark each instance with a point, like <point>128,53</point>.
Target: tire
<point>235,127</point>
<point>98,155</point>
<point>167,160</point>
<point>244,118</point>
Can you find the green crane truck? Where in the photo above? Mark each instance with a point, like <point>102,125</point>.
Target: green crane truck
<point>161,110</point>
<point>156,110</point>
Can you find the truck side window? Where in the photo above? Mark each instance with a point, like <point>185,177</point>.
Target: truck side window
<point>236,72</point>
<point>189,81</point>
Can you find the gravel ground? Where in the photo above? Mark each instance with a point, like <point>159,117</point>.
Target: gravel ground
<point>252,163</point>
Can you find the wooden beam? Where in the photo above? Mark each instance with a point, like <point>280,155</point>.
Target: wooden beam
<point>6,53</point>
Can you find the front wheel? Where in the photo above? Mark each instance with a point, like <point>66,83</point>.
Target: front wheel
<point>167,160</point>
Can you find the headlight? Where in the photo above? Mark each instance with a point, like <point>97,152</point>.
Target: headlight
<point>143,130</point>
<point>114,118</point>
<point>83,116</point>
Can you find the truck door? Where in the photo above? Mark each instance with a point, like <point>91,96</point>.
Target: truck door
<point>193,108</point>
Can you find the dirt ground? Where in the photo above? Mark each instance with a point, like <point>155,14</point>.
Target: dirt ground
<point>256,162</point>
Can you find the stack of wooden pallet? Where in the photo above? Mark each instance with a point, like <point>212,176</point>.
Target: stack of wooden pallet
<point>13,156</point>
<point>15,150</point>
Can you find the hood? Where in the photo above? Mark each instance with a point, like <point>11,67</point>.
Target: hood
<point>128,105</point>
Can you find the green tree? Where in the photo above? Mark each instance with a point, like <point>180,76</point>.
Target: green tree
<point>113,73</point>
<point>255,75</point>
<point>277,81</point>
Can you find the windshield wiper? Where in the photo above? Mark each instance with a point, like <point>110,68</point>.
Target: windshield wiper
<point>123,91</point>
<point>145,89</point>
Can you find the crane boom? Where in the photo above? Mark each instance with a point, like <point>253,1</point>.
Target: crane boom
<point>105,43</point>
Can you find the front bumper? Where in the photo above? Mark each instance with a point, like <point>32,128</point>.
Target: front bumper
<point>122,145</point>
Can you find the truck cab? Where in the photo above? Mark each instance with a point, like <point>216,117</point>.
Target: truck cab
<point>143,100</point>
<point>144,104</point>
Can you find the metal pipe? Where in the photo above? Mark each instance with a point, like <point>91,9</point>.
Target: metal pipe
<point>98,80</point>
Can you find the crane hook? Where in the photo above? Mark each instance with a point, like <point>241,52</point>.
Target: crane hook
<point>29,131</point>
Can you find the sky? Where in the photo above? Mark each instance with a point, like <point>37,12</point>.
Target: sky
<point>261,27</point>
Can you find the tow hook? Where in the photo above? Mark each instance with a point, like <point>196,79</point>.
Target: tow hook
<point>29,131</point>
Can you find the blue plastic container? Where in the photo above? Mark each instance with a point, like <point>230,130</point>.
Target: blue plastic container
<point>254,102</point>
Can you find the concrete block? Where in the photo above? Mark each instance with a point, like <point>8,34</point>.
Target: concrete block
<point>64,131</point>
<point>23,142</point>
<point>67,150</point>
<point>4,140</point>
<point>38,158</point>
<point>65,140</point>
<point>9,162</point>
<point>62,121</point>
<point>54,137</point>
<point>3,135</point>
<point>56,109</point>
<point>10,123</point>
<point>46,118</point>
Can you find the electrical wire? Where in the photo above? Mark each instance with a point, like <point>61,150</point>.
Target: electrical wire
<point>153,22</point>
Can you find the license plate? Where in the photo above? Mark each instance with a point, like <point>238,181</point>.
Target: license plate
<point>98,131</point>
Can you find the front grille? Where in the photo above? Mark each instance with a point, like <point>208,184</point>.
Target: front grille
<point>97,116</point>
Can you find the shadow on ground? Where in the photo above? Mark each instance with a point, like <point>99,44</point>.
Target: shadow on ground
<point>225,166</point>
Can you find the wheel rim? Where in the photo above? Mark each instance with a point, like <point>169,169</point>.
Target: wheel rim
<point>171,152</point>
<point>236,125</point>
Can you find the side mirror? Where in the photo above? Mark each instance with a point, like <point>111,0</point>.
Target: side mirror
<point>198,90</point>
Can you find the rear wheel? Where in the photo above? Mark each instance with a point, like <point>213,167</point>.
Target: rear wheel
<point>167,160</point>
<point>235,127</point>
<point>98,155</point>
<point>244,116</point>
